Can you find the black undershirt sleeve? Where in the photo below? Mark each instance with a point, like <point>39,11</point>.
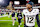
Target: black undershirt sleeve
<point>37,18</point>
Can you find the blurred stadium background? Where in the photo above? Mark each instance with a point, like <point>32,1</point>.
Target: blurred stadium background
<point>6,5</point>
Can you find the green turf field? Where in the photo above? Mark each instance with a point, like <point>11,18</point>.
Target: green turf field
<point>7,22</point>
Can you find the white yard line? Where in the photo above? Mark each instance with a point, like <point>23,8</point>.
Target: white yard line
<point>5,20</point>
<point>9,20</point>
<point>4,16</point>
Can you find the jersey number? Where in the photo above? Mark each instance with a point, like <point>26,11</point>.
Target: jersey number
<point>30,19</point>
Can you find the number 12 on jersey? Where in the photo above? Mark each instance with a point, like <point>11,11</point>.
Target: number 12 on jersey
<point>30,19</point>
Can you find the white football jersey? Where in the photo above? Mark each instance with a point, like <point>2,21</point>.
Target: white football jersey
<point>30,16</point>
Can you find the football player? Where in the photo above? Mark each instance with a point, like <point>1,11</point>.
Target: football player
<point>30,15</point>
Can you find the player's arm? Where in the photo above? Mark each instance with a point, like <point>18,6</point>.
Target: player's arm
<point>24,16</point>
<point>24,19</point>
<point>37,18</point>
